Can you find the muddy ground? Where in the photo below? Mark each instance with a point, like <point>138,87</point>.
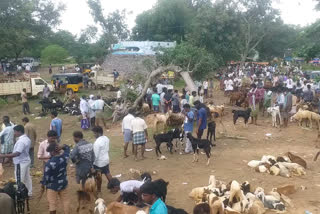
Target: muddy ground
<point>229,160</point>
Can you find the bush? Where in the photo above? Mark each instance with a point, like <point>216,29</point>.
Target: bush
<point>54,54</point>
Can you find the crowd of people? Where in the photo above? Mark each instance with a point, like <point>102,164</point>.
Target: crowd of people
<point>271,86</point>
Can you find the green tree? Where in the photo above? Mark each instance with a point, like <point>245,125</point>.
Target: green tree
<point>168,20</point>
<point>25,22</point>
<point>54,54</point>
<point>190,58</point>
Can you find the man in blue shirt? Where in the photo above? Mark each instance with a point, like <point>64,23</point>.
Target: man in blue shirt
<point>150,196</point>
<point>188,126</point>
<point>55,177</point>
<point>201,118</point>
<point>56,125</point>
<point>155,100</point>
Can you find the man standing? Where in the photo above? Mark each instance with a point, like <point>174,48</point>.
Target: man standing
<point>101,153</point>
<point>56,125</point>
<point>92,113</point>
<point>46,91</point>
<point>21,158</point>
<point>30,131</point>
<point>50,69</point>
<point>164,91</point>
<point>140,135</point>
<point>55,178</point>
<point>84,107</point>
<point>7,137</point>
<point>127,132</point>
<point>287,106</point>
<point>155,101</point>
<point>83,156</point>
<point>201,118</point>
<point>188,126</point>
<point>167,101</point>
<point>205,88</point>
<point>176,102</point>
<point>25,104</point>
<point>308,94</point>
<point>98,107</point>
<point>115,74</point>
<point>43,155</point>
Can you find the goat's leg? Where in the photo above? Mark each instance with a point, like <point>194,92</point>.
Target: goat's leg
<point>208,161</point>
<point>194,156</point>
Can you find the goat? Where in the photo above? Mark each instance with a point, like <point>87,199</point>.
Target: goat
<point>172,210</point>
<point>202,208</point>
<point>90,186</point>
<point>271,202</point>
<point>160,138</point>
<point>119,208</point>
<point>160,119</point>
<point>100,206</point>
<point>297,159</point>
<point>19,194</point>
<point>85,203</point>
<point>211,131</point>
<point>200,144</point>
<point>240,113</point>
<point>274,111</point>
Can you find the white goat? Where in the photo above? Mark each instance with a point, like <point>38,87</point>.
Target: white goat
<point>274,111</point>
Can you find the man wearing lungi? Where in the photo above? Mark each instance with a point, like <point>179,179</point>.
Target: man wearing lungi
<point>140,135</point>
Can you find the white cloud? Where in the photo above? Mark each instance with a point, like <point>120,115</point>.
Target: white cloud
<point>77,15</point>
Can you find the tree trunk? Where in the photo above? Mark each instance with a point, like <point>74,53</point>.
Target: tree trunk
<point>152,75</point>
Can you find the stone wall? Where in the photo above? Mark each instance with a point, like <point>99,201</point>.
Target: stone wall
<point>127,64</point>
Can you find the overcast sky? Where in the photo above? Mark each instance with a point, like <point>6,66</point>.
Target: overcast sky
<point>77,16</point>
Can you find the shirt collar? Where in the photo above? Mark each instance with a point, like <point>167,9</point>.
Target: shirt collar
<point>156,204</point>
<point>22,136</point>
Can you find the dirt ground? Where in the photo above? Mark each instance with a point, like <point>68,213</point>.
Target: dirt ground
<point>229,160</point>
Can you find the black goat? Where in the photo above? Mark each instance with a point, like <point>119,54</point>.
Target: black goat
<point>241,113</point>
<point>211,131</point>
<point>172,210</point>
<point>167,138</point>
<point>53,105</point>
<point>19,194</point>
<point>161,188</point>
<point>200,144</point>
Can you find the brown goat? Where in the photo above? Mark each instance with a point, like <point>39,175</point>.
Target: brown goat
<point>119,208</point>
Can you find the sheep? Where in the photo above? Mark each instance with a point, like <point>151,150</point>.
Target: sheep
<point>197,194</point>
<point>145,108</point>
<point>254,163</point>
<point>212,181</point>
<point>160,119</point>
<point>261,168</point>
<point>316,117</point>
<point>119,208</point>
<point>286,190</point>
<point>297,159</point>
<point>284,172</point>
<point>295,168</point>
<point>217,207</point>
<point>235,192</point>
<point>100,206</point>
<point>301,115</point>
<point>257,207</point>
<point>1,170</point>
<point>175,119</point>
<point>274,170</point>
<point>270,202</point>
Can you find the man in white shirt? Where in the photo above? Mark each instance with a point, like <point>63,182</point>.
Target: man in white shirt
<point>140,135</point>
<point>205,88</point>
<point>84,107</point>
<point>159,87</point>
<point>101,153</point>
<point>119,94</point>
<point>289,83</point>
<point>127,132</point>
<point>98,107</point>
<point>21,158</point>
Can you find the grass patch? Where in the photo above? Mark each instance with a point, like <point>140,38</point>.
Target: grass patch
<point>179,84</point>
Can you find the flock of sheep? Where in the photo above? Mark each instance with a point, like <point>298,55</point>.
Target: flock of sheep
<point>233,198</point>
